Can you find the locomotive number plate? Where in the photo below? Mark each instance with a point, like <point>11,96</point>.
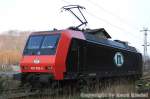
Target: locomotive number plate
<point>36,68</point>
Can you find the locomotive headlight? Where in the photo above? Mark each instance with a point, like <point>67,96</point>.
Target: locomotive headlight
<point>25,67</point>
<point>48,68</point>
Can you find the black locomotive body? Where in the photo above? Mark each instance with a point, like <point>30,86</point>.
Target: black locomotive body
<point>99,57</point>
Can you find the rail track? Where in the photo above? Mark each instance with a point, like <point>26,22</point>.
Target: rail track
<point>25,92</point>
<point>15,93</point>
<point>143,85</point>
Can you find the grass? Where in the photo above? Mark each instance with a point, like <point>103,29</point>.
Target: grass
<point>11,47</point>
<point>9,57</point>
<point>7,82</point>
<point>109,87</point>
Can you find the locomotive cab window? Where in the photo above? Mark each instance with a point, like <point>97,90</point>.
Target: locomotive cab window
<point>34,42</point>
<point>50,41</point>
<point>41,44</point>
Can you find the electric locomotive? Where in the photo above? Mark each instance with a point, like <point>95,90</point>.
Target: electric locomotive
<point>73,54</point>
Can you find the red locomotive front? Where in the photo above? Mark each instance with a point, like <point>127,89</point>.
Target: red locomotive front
<point>45,54</point>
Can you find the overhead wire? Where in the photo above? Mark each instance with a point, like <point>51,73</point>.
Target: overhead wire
<point>112,14</point>
<point>117,17</point>
<point>66,1</point>
<point>115,26</point>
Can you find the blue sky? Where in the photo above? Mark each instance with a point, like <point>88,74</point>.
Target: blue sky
<point>123,19</point>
